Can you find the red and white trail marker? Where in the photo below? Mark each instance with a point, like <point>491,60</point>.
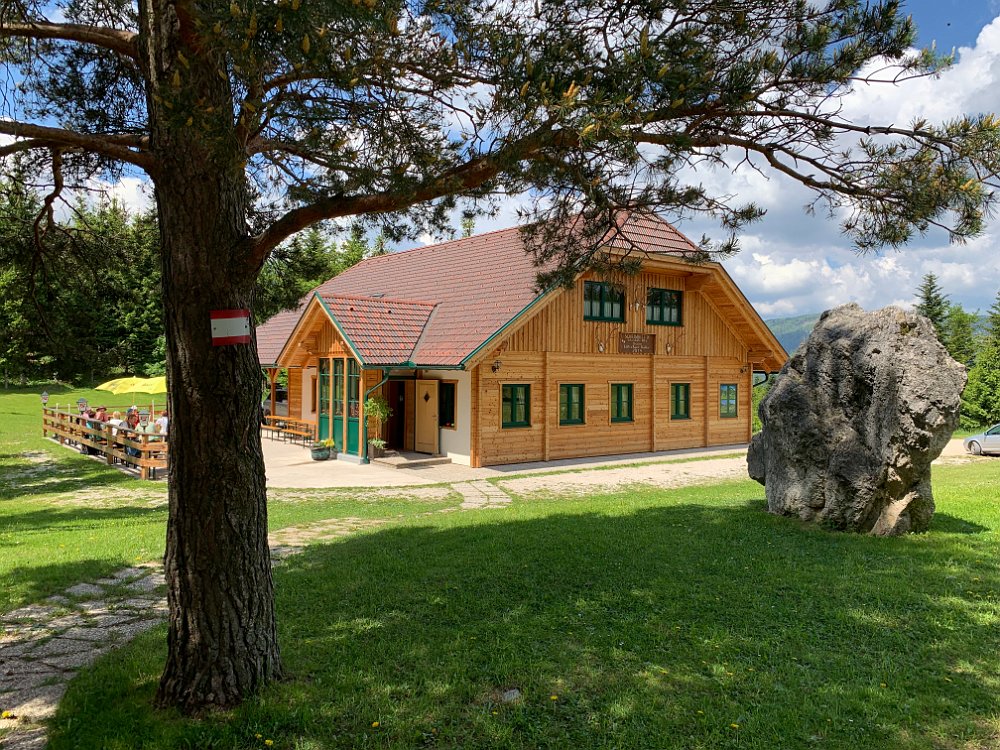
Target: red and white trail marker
<point>230,327</point>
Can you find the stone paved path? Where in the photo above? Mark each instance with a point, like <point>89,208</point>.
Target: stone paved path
<point>477,495</point>
<point>43,646</point>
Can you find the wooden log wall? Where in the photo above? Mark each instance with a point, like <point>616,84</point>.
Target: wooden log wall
<point>558,346</point>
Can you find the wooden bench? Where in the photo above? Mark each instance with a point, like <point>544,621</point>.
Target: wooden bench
<point>285,429</point>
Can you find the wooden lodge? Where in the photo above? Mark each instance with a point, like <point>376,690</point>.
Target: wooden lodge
<point>480,367</point>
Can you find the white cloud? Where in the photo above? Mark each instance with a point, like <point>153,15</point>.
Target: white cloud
<point>793,263</point>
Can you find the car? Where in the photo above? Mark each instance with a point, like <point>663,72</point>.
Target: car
<point>985,442</point>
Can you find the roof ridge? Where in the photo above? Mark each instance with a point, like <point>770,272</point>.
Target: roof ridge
<point>370,298</point>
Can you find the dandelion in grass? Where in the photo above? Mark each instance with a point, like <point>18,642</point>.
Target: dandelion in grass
<point>259,736</point>
<point>553,697</point>
<point>375,725</point>
<point>734,725</point>
<point>269,742</point>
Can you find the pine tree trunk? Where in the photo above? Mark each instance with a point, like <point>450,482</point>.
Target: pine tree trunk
<point>222,640</point>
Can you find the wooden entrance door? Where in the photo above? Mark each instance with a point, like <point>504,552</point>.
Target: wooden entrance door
<point>427,417</point>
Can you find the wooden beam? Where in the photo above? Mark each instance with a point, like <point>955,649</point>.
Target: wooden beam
<point>697,281</point>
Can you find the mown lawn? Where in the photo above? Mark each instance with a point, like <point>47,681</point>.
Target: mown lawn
<point>66,518</point>
<point>644,619</point>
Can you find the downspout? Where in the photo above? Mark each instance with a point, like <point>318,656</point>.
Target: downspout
<point>364,427</point>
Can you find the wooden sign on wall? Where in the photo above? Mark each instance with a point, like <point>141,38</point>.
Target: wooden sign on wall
<point>636,343</point>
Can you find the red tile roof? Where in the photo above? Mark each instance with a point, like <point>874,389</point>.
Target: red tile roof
<point>475,284</point>
<point>272,335</point>
<point>382,331</point>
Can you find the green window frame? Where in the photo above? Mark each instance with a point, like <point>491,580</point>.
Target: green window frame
<point>621,402</point>
<point>324,387</point>
<point>603,300</point>
<point>515,408</point>
<point>353,389</point>
<point>680,401</point>
<point>338,387</point>
<point>664,307</point>
<point>728,393</point>
<point>571,408</point>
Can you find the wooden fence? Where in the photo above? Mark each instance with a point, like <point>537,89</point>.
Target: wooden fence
<point>147,453</point>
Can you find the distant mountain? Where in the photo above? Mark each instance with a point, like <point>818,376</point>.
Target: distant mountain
<point>792,331</point>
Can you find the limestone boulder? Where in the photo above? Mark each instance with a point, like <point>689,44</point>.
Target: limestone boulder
<point>855,419</point>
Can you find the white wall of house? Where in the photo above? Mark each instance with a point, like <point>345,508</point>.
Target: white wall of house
<point>456,444</point>
<point>307,393</point>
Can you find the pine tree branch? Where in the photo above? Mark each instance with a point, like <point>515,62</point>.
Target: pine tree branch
<point>464,177</point>
<point>116,40</point>
<point>114,146</point>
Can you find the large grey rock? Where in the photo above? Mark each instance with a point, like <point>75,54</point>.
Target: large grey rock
<point>854,421</point>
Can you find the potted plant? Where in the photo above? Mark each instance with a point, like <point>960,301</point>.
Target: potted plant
<point>376,448</point>
<point>322,449</point>
<point>377,408</point>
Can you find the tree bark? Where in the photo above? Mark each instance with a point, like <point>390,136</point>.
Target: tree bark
<point>222,639</point>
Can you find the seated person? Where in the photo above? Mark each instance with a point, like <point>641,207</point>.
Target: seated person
<point>163,422</point>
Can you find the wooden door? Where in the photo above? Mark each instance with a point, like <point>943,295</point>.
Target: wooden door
<point>427,417</point>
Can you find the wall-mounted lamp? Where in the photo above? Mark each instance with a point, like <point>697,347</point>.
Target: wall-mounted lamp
<point>497,364</point>
<point>670,347</point>
<point>600,346</point>
<point>743,370</point>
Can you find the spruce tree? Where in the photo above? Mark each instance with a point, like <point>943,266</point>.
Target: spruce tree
<point>932,303</point>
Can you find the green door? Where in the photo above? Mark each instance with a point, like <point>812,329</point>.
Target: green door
<point>353,405</point>
<point>323,409</point>
<point>338,403</point>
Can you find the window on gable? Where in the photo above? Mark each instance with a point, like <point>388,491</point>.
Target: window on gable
<point>621,402</point>
<point>664,306</point>
<point>680,400</point>
<point>603,300</point>
<point>727,400</point>
<point>571,410</point>
<point>515,405</point>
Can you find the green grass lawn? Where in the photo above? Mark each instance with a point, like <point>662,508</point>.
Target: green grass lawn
<point>66,518</point>
<point>646,619</point>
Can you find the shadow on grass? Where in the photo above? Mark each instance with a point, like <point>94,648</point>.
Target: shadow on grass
<point>61,470</point>
<point>680,626</point>
<point>94,543</point>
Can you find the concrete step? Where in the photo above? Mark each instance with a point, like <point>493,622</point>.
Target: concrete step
<point>411,461</point>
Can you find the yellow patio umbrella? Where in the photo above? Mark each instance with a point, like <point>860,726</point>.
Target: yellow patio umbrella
<point>135,385</point>
<point>119,386</point>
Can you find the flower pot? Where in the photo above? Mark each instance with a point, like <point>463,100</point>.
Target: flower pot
<point>320,454</point>
<point>375,451</point>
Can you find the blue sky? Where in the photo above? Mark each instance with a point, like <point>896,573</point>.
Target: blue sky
<point>793,263</point>
<point>950,23</point>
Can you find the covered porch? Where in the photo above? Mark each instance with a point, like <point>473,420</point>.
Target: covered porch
<point>345,351</point>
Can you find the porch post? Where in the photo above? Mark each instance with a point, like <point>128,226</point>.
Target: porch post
<point>272,375</point>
